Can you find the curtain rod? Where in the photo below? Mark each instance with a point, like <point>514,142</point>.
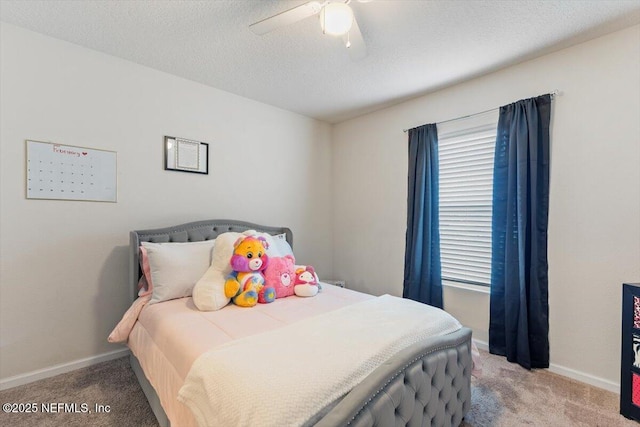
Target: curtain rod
<point>553,95</point>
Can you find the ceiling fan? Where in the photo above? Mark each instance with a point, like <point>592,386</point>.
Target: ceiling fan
<point>336,19</point>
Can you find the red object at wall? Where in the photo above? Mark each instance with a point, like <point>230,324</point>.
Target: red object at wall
<point>635,390</point>
<point>630,352</point>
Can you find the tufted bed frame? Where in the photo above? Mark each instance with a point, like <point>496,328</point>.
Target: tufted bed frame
<point>428,383</point>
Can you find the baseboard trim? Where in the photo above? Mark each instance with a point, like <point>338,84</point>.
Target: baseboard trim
<point>585,378</point>
<point>482,345</point>
<point>570,373</point>
<point>62,368</point>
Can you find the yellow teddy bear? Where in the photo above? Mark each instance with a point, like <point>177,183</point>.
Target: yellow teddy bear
<point>246,282</point>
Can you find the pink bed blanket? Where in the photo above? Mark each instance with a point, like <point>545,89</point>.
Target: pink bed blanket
<point>169,336</point>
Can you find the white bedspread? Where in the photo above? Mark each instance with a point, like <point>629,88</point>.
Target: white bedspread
<point>252,381</point>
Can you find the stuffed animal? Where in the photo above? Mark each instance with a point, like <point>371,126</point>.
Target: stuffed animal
<point>306,283</point>
<point>280,274</point>
<point>246,281</point>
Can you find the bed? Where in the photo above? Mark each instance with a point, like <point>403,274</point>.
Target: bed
<point>425,383</point>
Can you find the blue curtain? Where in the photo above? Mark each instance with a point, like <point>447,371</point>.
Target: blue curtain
<point>422,274</point>
<point>519,308</point>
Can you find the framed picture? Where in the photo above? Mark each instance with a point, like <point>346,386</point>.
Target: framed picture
<point>185,155</point>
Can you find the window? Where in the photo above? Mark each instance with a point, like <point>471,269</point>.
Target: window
<point>466,150</point>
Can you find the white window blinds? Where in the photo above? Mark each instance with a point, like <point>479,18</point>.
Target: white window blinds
<point>466,150</point>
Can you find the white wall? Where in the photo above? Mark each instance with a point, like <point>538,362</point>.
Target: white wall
<point>64,264</point>
<point>594,224</point>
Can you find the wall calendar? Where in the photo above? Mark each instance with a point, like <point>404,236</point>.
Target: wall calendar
<point>66,172</point>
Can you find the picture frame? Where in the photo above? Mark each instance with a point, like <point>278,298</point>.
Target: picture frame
<point>185,155</point>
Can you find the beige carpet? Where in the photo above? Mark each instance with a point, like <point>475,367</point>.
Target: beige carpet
<point>505,396</point>
<point>110,383</point>
<point>508,395</point>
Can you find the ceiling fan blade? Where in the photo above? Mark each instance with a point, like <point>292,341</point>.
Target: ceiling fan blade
<point>287,17</point>
<point>355,43</point>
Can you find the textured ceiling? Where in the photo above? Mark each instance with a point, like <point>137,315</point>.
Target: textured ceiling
<point>414,47</point>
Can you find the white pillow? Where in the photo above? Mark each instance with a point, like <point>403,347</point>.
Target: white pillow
<point>278,245</point>
<point>208,293</point>
<point>281,247</point>
<point>176,267</point>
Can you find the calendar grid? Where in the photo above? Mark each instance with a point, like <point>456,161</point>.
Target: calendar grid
<point>67,172</point>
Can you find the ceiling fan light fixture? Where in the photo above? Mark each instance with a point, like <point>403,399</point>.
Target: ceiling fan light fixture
<point>336,19</point>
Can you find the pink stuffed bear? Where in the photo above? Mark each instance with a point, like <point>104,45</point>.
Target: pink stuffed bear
<point>248,261</point>
<point>306,283</point>
<point>280,274</point>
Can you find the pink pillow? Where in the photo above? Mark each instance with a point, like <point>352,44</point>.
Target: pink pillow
<point>280,274</point>
<point>145,285</point>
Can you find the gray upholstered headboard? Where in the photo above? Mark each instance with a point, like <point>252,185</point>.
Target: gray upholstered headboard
<point>189,232</point>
